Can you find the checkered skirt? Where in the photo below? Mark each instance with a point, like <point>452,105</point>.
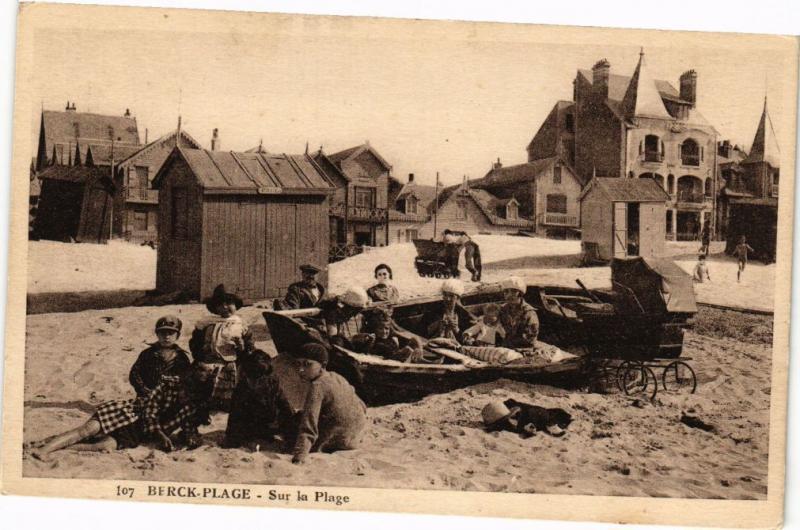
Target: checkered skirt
<point>113,415</point>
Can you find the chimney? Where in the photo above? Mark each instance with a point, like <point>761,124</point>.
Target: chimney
<point>600,73</point>
<point>688,82</point>
<point>215,140</point>
<point>498,164</point>
<point>70,107</point>
<point>410,178</point>
<point>127,113</point>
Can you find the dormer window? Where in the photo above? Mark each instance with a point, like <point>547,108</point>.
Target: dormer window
<point>411,205</point>
<point>512,210</point>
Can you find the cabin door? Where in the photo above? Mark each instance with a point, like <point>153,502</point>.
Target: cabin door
<point>620,230</point>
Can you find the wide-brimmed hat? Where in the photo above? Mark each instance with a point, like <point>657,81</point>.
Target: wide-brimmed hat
<point>495,412</point>
<point>169,323</point>
<point>310,269</point>
<point>221,296</point>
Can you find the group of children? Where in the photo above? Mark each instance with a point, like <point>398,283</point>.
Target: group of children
<point>174,395</point>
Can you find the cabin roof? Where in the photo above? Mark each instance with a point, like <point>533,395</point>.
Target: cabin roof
<point>627,189</point>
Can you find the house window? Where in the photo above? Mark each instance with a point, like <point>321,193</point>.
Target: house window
<point>365,197</point>
<point>669,221</point>
<point>140,221</point>
<point>511,211</point>
<point>142,176</point>
<point>690,153</point>
<point>411,205</point>
<point>180,213</point>
<point>461,210</point>
<point>411,235</point>
<point>653,148</point>
<point>556,174</point>
<point>556,203</point>
<point>569,123</point>
<point>671,184</point>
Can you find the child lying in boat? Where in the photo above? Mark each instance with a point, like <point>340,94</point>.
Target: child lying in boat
<point>122,424</point>
<point>384,338</point>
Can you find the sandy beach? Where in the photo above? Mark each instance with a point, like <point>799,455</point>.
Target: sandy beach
<point>615,446</point>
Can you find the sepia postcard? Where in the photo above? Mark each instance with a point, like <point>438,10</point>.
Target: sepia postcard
<point>438,267</point>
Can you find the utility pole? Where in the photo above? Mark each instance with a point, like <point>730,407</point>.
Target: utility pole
<point>436,206</point>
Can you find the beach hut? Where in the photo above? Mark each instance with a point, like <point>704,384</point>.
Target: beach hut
<point>247,220</point>
<point>623,217</point>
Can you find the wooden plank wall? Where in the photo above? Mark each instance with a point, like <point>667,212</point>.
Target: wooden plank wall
<point>178,264</point>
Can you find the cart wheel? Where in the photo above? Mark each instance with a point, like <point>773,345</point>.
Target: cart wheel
<point>438,274</point>
<point>678,376</point>
<point>621,370</point>
<point>639,380</point>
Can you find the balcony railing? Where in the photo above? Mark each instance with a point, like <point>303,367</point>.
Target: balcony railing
<point>691,196</point>
<point>141,194</point>
<point>690,160</point>
<point>653,156</point>
<point>360,213</point>
<point>558,219</point>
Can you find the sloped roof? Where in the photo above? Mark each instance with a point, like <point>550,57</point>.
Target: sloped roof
<point>627,189</point>
<point>76,174</point>
<point>509,175</point>
<point>642,97</point>
<point>251,173</point>
<point>488,204</point>
<point>423,193</point>
<point>352,152</point>
<point>765,144</point>
<point>167,138</point>
<point>618,85</point>
<point>86,127</point>
<point>101,153</point>
<point>330,169</point>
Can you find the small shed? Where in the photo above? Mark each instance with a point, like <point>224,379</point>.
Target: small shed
<point>623,217</point>
<point>247,220</point>
<point>75,203</point>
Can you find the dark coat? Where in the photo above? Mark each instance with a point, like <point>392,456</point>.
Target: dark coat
<point>148,369</point>
<point>299,295</point>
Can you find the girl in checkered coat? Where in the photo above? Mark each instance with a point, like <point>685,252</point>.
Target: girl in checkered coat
<point>123,424</point>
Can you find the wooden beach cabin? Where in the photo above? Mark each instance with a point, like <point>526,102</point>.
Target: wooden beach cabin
<point>247,220</point>
<point>622,217</point>
<point>75,204</point>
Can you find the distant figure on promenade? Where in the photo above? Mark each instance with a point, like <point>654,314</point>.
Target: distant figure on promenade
<point>705,238</point>
<point>383,290</point>
<point>740,252</point>
<point>303,294</point>
<point>700,273</point>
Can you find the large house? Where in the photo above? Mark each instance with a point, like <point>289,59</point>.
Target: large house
<point>74,158</point>
<point>359,206</point>
<point>638,127</point>
<point>748,200</point>
<point>546,191</point>
<point>408,217</point>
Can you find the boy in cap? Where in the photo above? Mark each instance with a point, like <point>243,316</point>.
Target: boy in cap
<point>333,415</point>
<point>518,318</point>
<point>164,357</point>
<point>303,294</point>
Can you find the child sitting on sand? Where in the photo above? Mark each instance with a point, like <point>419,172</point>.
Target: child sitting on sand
<point>488,331</point>
<point>124,424</point>
<point>222,339</point>
<point>701,270</point>
<point>333,415</point>
<point>164,357</point>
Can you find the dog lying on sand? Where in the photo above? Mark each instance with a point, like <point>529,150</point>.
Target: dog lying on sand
<point>531,419</point>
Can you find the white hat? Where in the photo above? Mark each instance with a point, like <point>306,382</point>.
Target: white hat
<point>355,296</point>
<point>514,282</point>
<point>453,286</point>
<point>494,412</point>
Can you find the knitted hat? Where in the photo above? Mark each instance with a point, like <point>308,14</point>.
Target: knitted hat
<point>355,297</point>
<point>314,351</point>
